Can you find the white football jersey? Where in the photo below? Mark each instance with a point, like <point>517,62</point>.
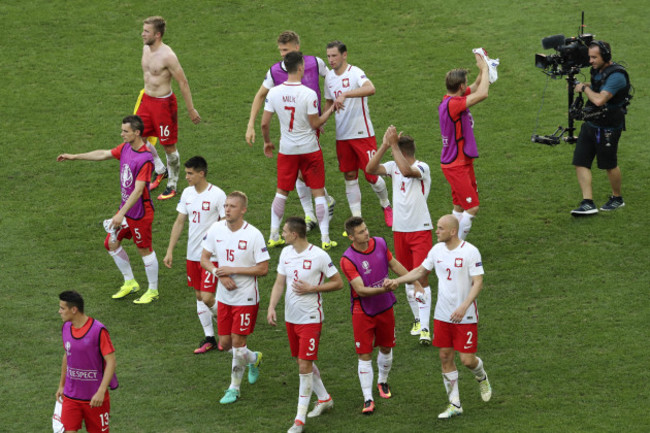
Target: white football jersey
<point>312,265</point>
<point>268,79</point>
<point>410,211</point>
<point>455,270</point>
<point>243,248</point>
<point>202,211</point>
<point>293,103</point>
<point>354,121</point>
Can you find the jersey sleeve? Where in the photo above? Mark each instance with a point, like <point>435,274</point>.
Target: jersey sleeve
<point>117,151</point>
<point>322,68</point>
<point>260,251</point>
<point>429,262</point>
<point>268,103</point>
<point>221,204</point>
<point>105,343</point>
<point>268,80</point>
<point>614,83</point>
<point>475,263</point>
<point>181,207</point>
<point>209,241</point>
<point>349,270</point>
<point>423,169</point>
<point>326,90</point>
<point>457,105</point>
<point>144,174</point>
<point>312,103</point>
<point>359,77</point>
<point>281,268</point>
<point>389,255</point>
<point>327,265</point>
<point>389,166</point>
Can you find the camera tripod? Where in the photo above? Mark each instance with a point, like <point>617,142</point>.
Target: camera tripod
<point>553,139</point>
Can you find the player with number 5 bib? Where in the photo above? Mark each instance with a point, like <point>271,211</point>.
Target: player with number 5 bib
<point>241,257</point>
<point>460,279</point>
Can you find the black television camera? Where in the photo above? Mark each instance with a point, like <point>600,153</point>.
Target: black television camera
<point>572,54</point>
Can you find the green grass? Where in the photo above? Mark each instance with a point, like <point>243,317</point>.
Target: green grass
<point>564,310</point>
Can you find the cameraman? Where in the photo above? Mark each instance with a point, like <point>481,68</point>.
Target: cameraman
<point>604,121</point>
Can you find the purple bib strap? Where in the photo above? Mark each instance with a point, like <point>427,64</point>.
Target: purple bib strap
<point>449,131</point>
<point>309,79</point>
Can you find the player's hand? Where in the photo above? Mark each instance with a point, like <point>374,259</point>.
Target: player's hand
<point>64,157</point>
<point>59,394</point>
<point>458,315</point>
<point>250,135</point>
<point>223,271</point>
<point>228,283</point>
<point>480,61</point>
<point>116,221</point>
<point>271,316</point>
<point>168,260</point>
<point>390,285</point>
<point>391,137</point>
<point>339,103</point>
<point>301,287</point>
<point>268,149</point>
<point>194,116</point>
<point>98,398</point>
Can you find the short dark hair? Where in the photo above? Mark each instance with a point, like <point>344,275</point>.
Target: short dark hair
<point>136,123</point>
<point>352,223</point>
<point>292,60</point>
<point>407,145</point>
<point>158,24</point>
<point>606,54</point>
<point>298,226</point>
<point>72,299</point>
<point>197,163</point>
<point>338,44</point>
<point>455,78</point>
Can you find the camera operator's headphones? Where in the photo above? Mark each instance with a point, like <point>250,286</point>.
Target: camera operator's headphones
<point>605,53</point>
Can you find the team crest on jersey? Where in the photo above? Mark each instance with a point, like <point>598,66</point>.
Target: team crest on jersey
<point>306,264</point>
<point>126,176</point>
<point>315,104</point>
<point>206,205</point>
<point>243,245</point>
<point>345,82</point>
<point>459,262</point>
<point>366,267</point>
<point>67,348</point>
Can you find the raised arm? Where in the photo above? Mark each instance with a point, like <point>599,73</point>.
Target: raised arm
<point>95,155</point>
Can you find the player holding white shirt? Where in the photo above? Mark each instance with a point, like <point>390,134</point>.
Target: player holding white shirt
<point>297,109</point>
<point>460,279</point>
<point>347,89</point>
<point>302,269</point>
<point>202,203</point>
<point>412,222</point>
<point>241,257</point>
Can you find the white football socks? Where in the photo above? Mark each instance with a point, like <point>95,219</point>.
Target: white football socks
<point>451,385</point>
<point>159,167</point>
<point>205,317</point>
<point>317,384</point>
<point>151,269</point>
<point>380,189</point>
<point>410,297</point>
<point>465,225</point>
<point>384,364</point>
<point>304,194</point>
<point>304,395</point>
<point>173,168</point>
<point>425,309</point>
<point>366,378</point>
<point>353,193</point>
<point>121,259</point>
<point>322,214</point>
<point>277,213</point>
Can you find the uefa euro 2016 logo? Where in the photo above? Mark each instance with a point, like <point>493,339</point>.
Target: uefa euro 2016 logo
<point>127,176</point>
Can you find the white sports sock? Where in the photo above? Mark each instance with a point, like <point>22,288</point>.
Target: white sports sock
<point>121,259</point>
<point>458,215</point>
<point>410,297</point>
<point>380,189</point>
<point>277,213</point>
<point>425,309</point>
<point>205,317</point>
<point>238,366</point>
<point>159,167</point>
<point>451,385</point>
<point>323,218</point>
<point>479,372</point>
<point>366,378</point>
<point>251,356</point>
<point>304,194</point>
<point>213,309</point>
<point>173,168</point>
<point>465,225</point>
<point>304,395</point>
<point>317,384</point>
<point>384,364</point>
<point>353,192</point>
<point>151,268</point>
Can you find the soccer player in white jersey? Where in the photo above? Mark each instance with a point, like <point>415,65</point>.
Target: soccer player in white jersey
<point>315,67</point>
<point>302,270</point>
<point>347,89</point>
<point>297,108</point>
<point>412,222</point>
<point>202,204</point>
<point>240,257</point>
<point>460,279</point>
